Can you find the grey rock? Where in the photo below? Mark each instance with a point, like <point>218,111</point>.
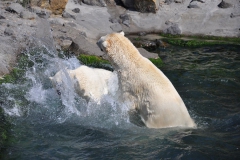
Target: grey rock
<point>27,15</point>
<point>8,32</point>
<point>116,27</point>
<point>70,24</point>
<point>78,1</point>
<point>169,23</point>
<point>44,35</point>
<point>111,2</point>
<point>178,1</point>
<point>233,15</point>
<point>81,45</point>
<point>224,4</point>
<point>2,17</point>
<point>202,1</point>
<point>147,54</point>
<point>126,20</point>
<point>76,10</point>
<point>193,4</point>
<point>66,44</point>
<point>174,29</point>
<point>142,34</point>
<point>15,8</point>
<point>83,34</point>
<point>113,20</point>
<point>100,3</point>
<point>144,6</point>
<point>42,13</point>
<point>169,1</point>
<point>68,15</point>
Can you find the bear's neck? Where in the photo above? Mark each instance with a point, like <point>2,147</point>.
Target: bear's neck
<point>126,61</point>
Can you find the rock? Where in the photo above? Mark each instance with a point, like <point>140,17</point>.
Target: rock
<point>116,27</point>
<point>202,1</point>
<point>126,20</point>
<point>68,15</point>
<point>27,15</point>
<point>174,29</point>
<point>160,43</point>
<point>142,34</point>
<point>15,8</point>
<point>44,36</point>
<point>224,4</point>
<point>76,10</point>
<point>111,2</point>
<point>70,24</point>
<point>8,32</point>
<point>100,3</point>
<point>42,13</point>
<point>113,20</point>
<point>142,5</point>
<point>147,5</point>
<point>233,15</point>
<point>81,45</point>
<point>193,4</point>
<point>169,23</point>
<point>66,44</point>
<point>147,54</point>
<point>169,1</point>
<point>77,1</point>
<point>178,1</point>
<point>2,17</point>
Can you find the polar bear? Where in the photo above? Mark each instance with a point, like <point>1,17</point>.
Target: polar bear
<point>152,93</point>
<point>89,83</point>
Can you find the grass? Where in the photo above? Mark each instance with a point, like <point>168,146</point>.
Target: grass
<point>18,71</point>
<point>192,43</point>
<point>94,61</point>
<point>198,40</point>
<point>157,62</point>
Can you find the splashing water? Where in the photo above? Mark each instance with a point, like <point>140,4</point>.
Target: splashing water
<point>40,95</point>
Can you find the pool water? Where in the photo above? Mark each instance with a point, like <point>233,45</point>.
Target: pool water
<point>48,126</point>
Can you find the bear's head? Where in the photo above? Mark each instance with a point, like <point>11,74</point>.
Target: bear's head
<point>119,50</point>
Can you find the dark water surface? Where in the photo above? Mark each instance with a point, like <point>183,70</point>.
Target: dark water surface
<point>46,126</point>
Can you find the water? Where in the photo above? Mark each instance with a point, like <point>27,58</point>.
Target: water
<point>48,126</point>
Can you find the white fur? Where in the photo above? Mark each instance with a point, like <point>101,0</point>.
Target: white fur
<point>151,92</point>
<point>89,83</point>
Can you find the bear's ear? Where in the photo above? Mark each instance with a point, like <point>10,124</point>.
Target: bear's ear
<point>122,33</point>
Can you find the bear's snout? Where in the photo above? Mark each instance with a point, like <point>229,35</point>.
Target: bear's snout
<point>99,43</point>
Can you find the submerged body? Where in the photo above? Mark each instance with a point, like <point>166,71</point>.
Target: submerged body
<point>151,92</point>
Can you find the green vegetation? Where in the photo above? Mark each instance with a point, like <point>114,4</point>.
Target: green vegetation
<point>18,71</point>
<point>12,77</point>
<point>157,62</point>
<point>167,35</point>
<point>137,38</point>
<point>198,40</point>
<point>94,61</point>
<point>192,43</point>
